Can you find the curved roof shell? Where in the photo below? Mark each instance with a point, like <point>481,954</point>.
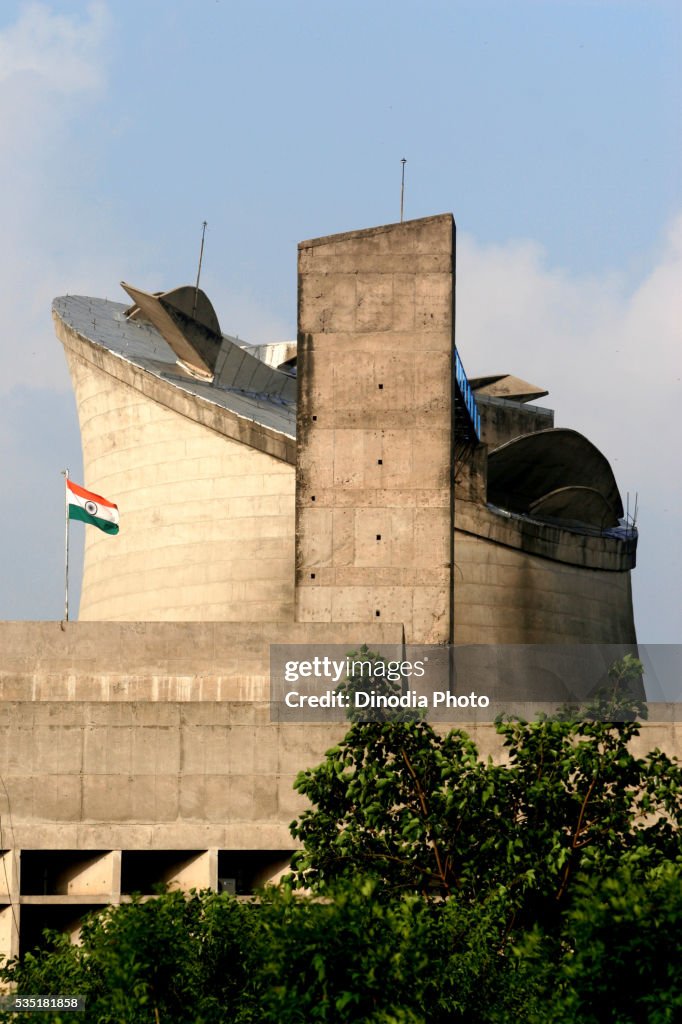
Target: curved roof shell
<point>243,384</point>
<point>523,473</point>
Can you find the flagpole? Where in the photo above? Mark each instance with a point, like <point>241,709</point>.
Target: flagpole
<point>65,474</point>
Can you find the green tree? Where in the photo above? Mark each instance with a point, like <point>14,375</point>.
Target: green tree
<point>613,961</point>
<point>422,813</point>
<point>444,889</point>
<point>172,958</point>
<point>345,957</point>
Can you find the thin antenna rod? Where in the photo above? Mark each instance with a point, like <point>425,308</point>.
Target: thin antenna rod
<point>402,190</point>
<point>65,474</point>
<point>201,256</point>
<point>627,513</point>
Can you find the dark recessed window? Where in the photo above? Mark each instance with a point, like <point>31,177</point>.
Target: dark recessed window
<point>381,387</point>
<point>312,497</point>
<point>377,613</point>
<point>312,575</point>
<point>378,536</point>
<point>380,462</point>
<point>314,417</point>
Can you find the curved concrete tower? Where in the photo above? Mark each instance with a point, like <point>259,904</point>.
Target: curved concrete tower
<point>199,460</point>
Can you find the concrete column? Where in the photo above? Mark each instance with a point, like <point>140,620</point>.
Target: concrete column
<point>374,501</point>
<point>9,932</point>
<point>9,904</point>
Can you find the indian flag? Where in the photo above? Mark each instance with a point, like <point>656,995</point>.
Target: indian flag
<point>91,508</point>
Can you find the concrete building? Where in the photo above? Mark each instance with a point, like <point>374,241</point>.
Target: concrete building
<point>240,503</point>
<point>355,488</point>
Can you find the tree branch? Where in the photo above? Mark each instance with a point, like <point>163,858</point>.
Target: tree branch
<point>574,841</point>
<point>425,812</point>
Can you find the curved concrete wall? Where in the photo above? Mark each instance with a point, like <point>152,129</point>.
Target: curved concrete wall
<point>207,523</point>
<point>507,596</point>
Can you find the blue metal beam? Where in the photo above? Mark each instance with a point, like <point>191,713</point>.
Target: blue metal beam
<point>467,402</point>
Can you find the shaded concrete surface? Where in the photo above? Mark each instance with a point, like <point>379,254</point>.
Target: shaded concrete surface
<point>526,468</point>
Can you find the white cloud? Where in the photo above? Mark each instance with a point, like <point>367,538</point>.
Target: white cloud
<point>610,357</point>
<point>51,66</point>
<point>60,50</point>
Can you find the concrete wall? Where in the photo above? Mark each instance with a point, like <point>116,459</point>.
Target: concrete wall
<point>155,735</point>
<point>503,420</point>
<point>518,581</point>
<point>207,523</point>
<point>374,430</point>
<point>141,752</point>
<point>151,742</point>
<point>507,596</point>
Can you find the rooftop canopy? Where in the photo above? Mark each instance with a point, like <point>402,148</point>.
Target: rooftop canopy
<point>551,473</point>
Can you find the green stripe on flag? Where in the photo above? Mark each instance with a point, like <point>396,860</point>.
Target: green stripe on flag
<point>76,512</point>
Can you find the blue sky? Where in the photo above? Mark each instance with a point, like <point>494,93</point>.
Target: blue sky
<point>549,128</point>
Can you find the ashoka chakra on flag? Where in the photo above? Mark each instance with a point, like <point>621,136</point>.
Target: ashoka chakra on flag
<point>91,508</point>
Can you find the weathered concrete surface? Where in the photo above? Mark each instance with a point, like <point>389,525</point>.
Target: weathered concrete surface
<point>192,406</point>
<point>154,775</point>
<point>207,523</point>
<point>503,420</point>
<point>156,662</point>
<point>529,467</point>
<point>504,595</point>
<point>150,736</point>
<point>555,543</point>
<point>374,428</point>
<point>158,735</point>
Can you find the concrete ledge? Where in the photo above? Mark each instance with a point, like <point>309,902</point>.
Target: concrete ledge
<point>550,542</point>
<point>159,662</point>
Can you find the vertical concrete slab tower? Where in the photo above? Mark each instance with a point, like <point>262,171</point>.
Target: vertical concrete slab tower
<point>374,482</point>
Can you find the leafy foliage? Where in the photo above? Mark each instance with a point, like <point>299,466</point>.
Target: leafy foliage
<point>171,958</point>
<point>614,961</point>
<point>373,674</point>
<point>422,813</point>
<point>345,957</point>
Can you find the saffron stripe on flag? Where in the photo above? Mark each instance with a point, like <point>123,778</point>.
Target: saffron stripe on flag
<point>89,495</point>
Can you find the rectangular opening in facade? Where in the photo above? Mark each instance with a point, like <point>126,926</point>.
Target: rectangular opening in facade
<point>148,871</point>
<point>35,919</point>
<point>242,872</point>
<point>66,872</point>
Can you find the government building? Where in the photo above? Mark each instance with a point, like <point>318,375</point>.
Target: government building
<point>352,487</point>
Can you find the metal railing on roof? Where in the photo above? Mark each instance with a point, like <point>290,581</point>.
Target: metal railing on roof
<point>467,397</point>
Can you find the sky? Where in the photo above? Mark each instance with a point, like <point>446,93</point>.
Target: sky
<point>550,128</point>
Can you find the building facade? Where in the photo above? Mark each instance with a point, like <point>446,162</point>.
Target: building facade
<point>355,487</point>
